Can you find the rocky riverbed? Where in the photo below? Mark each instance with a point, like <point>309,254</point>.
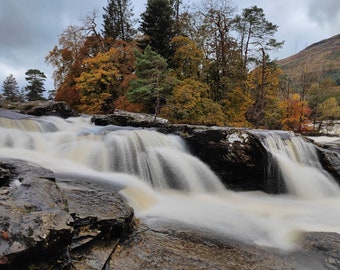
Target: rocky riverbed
<point>58,222</point>
<point>63,221</point>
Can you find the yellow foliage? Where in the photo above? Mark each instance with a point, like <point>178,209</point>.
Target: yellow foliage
<point>190,104</point>
<point>105,77</point>
<point>187,57</point>
<point>235,107</point>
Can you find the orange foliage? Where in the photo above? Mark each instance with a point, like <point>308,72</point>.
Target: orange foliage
<point>122,103</point>
<point>296,113</point>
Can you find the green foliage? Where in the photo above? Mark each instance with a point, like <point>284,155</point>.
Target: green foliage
<point>157,25</point>
<point>255,32</point>
<point>118,22</point>
<point>35,87</point>
<point>152,83</point>
<point>10,89</point>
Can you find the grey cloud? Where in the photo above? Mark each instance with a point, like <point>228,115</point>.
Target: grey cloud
<point>326,13</point>
<point>29,29</point>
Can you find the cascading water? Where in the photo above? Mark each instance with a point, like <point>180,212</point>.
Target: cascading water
<point>161,180</point>
<point>297,165</point>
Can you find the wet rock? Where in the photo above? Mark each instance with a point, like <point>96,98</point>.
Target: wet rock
<point>176,247</point>
<point>330,159</point>
<point>70,223</point>
<point>235,155</point>
<point>33,216</point>
<point>123,118</point>
<point>100,218</point>
<point>325,246</point>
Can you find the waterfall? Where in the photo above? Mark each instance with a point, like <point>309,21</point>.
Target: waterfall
<point>160,160</point>
<point>295,162</point>
<point>161,180</point>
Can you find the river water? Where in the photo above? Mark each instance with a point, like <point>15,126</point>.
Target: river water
<point>162,181</point>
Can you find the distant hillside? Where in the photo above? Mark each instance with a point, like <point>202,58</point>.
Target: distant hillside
<point>319,60</point>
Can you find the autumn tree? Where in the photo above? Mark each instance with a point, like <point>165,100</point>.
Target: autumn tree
<point>67,62</point>
<point>190,103</point>
<point>329,110</point>
<point>265,110</point>
<point>157,24</point>
<point>118,20</point>
<point>235,106</point>
<point>294,113</point>
<point>10,88</point>
<point>214,21</point>
<point>188,58</point>
<point>35,87</point>
<point>105,77</point>
<point>152,84</point>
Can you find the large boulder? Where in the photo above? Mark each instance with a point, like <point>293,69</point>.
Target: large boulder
<point>329,154</point>
<point>33,215</point>
<point>60,109</point>
<point>70,223</point>
<point>235,155</point>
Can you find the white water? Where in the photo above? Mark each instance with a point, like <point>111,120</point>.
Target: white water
<point>162,180</point>
<point>299,166</point>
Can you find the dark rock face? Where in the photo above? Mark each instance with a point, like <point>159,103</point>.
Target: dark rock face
<point>70,224</point>
<point>60,109</point>
<point>235,155</point>
<point>330,158</point>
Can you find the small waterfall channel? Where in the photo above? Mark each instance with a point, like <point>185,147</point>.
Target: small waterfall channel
<point>162,181</point>
<point>294,166</point>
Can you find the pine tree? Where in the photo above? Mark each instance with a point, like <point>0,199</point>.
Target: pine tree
<point>10,89</point>
<point>118,22</point>
<point>35,87</point>
<point>152,80</point>
<point>157,25</point>
<point>256,35</point>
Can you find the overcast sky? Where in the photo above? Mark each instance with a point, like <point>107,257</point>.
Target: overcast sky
<point>29,29</point>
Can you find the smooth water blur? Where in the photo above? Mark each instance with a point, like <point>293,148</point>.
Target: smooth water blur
<point>161,180</point>
<point>298,165</point>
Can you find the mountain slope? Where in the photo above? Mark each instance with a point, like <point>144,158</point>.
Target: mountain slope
<point>319,60</point>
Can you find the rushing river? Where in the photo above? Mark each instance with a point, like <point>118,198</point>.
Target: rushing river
<point>162,180</point>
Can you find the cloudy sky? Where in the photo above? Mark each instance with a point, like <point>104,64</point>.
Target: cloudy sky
<point>29,29</point>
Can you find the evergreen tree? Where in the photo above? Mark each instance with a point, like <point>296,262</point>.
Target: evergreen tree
<point>152,80</point>
<point>157,25</point>
<point>35,87</point>
<point>10,89</point>
<point>118,22</point>
<point>256,35</point>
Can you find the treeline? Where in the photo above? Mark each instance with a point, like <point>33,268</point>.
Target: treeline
<point>204,65</point>
<point>34,90</point>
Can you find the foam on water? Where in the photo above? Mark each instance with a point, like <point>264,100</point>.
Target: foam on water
<point>161,180</point>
